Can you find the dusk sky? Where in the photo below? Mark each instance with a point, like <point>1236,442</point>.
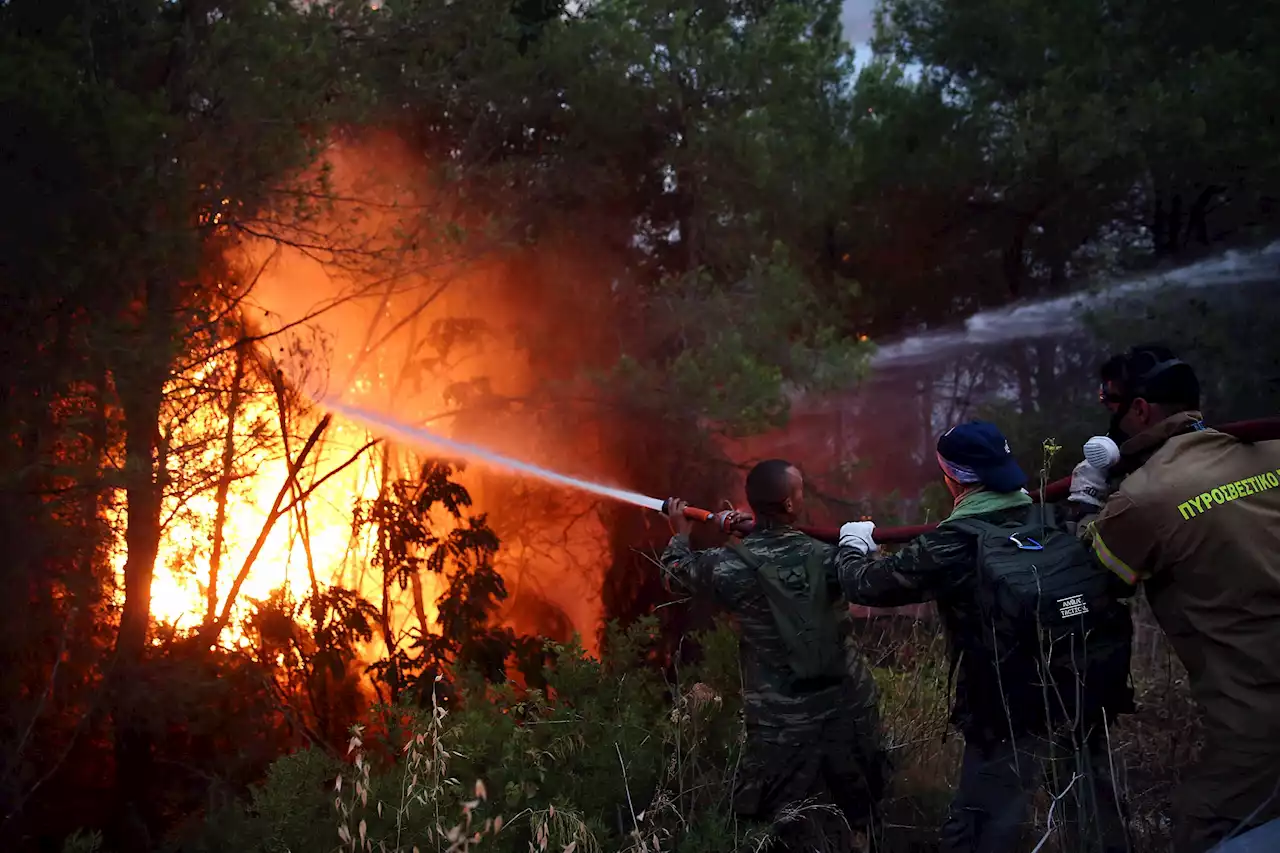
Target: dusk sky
<point>858,23</point>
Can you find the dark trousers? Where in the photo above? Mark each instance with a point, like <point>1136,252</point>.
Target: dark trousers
<point>838,764</point>
<point>1234,786</point>
<point>999,778</point>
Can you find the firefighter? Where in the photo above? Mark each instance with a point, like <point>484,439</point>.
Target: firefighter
<point>810,703</point>
<point>1196,521</point>
<point>1038,645</point>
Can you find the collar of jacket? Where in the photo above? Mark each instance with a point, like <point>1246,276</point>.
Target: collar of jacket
<point>772,531</point>
<point>1138,449</point>
<point>983,501</point>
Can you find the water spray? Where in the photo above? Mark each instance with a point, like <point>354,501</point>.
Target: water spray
<point>1258,430</point>
<point>425,438</point>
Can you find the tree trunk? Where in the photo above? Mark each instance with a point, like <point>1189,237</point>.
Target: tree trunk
<point>420,602</point>
<point>1198,215</point>
<point>388,635</point>
<point>1159,222</point>
<point>1046,373</point>
<point>209,634</point>
<point>1013,263</point>
<point>304,523</point>
<point>141,387</point>
<point>1026,388</point>
<point>1173,232</point>
<point>224,487</point>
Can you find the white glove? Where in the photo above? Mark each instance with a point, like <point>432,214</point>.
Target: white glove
<point>1101,452</point>
<point>1088,485</point>
<point>857,535</point>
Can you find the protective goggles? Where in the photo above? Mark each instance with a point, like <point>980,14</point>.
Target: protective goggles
<point>1134,386</point>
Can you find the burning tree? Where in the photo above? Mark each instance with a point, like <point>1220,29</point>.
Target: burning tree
<point>158,108</point>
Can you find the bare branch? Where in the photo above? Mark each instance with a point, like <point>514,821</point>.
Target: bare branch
<point>209,635</point>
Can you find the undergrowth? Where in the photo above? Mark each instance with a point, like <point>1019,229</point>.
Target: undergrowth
<point>613,755</point>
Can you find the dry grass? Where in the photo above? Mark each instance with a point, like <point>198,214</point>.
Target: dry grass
<point>425,785</point>
<point>1149,749</point>
<point>669,764</point>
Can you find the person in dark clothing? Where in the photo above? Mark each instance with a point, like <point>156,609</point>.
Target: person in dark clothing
<point>809,700</point>
<point>1039,648</point>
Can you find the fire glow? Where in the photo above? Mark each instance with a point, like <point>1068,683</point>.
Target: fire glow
<point>420,345</point>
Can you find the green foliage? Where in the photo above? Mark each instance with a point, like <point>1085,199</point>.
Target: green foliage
<point>407,522</point>
<point>747,347</point>
<point>1131,119</point>
<point>756,210</point>
<point>570,764</point>
<point>567,767</point>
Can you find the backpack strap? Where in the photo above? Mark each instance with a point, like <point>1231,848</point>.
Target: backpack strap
<point>1040,517</point>
<point>736,546</point>
<point>772,585</point>
<point>805,621</point>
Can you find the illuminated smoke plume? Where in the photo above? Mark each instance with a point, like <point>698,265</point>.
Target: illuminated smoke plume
<point>463,333</point>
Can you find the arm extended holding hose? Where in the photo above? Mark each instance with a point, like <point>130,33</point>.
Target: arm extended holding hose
<point>740,523</point>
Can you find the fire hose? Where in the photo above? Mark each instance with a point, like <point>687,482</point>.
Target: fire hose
<point>1263,429</point>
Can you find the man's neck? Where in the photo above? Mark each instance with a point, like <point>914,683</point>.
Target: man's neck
<point>764,525</point>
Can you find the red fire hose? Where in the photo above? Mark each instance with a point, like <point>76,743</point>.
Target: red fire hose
<point>1263,429</point>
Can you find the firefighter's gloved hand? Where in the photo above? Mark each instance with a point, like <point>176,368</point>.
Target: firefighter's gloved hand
<point>1088,485</point>
<point>857,535</point>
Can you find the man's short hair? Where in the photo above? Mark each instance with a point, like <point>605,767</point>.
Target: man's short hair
<point>1154,373</point>
<point>768,487</point>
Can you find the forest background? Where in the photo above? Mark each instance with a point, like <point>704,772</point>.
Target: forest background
<point>643,241</point>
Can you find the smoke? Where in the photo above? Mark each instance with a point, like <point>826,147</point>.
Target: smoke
<point>403,303</point>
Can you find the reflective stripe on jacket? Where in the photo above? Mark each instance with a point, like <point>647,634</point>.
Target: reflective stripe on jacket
<point>1199,524</point>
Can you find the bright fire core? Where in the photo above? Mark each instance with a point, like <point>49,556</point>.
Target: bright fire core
<point>318,535</point>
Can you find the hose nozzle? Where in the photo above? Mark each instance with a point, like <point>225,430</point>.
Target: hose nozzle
<point>690,512</point>
<point>719,519</point>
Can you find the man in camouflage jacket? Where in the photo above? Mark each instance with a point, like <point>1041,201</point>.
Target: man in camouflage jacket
<point>803,740</point>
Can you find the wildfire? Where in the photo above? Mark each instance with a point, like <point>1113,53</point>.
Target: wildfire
<point>316,537</point>
<point>423,347</point>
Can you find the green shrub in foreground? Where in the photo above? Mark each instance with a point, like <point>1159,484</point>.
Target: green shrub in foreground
<point>608,756</point>
<point>611,756</point>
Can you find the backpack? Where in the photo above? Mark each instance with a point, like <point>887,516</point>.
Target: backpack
<point>804,614</point>
<point>1050,623</point>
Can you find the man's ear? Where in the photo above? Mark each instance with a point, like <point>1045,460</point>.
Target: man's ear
<point>789,505</point>
<point>1142,409</point>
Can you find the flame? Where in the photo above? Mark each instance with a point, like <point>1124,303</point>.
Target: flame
<point>417,339</point>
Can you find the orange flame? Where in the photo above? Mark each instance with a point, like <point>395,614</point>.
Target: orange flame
<point>423,338</point>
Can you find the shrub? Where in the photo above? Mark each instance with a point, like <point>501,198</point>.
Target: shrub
<point>612,756</point>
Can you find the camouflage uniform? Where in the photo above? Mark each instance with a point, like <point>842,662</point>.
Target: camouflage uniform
<point>802,740</point>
